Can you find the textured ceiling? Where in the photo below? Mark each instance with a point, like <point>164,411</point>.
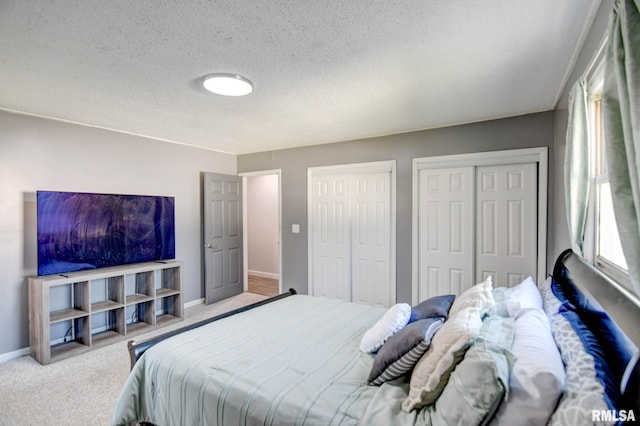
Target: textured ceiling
<point>323,71</point>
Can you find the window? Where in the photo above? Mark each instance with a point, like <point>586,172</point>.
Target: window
<point>603,246</point>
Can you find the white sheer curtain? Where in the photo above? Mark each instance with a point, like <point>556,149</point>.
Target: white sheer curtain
<point>621,115</point>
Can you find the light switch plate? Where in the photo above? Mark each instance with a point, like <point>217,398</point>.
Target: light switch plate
<point>295,228</point>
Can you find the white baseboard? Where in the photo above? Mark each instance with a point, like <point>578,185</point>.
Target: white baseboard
<point>194,303</point>
<point>13,355</point>
<point>264,274</point>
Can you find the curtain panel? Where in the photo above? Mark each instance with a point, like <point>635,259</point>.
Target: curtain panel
<point>576,166</point>
<point>621,115</point>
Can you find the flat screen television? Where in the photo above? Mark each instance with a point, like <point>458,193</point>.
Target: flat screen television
<point>78,231</point>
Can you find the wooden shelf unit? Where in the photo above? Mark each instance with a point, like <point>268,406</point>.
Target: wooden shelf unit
<point>76,312</point>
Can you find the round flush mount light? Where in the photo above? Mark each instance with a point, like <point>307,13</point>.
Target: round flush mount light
<point>227,84</point>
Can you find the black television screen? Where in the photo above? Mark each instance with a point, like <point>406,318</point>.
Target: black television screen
<point>78,231</point>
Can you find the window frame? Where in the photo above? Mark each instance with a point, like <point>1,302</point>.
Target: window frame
<point>598,176</point>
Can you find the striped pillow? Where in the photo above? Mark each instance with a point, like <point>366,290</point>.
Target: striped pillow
<point>403,350</point>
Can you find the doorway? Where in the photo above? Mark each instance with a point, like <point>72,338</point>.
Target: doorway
<point>262,224</point>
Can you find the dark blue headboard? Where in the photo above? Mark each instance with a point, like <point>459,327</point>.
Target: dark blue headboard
<point>613,316</point>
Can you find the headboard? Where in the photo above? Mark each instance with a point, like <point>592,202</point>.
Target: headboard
<point>605,305</point>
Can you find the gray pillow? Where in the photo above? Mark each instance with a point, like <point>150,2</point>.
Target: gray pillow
<point>403,350</point>
<point>478,384</point>
<point>434,307</point>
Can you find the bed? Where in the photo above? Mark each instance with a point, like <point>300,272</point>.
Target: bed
<point>491,355</point>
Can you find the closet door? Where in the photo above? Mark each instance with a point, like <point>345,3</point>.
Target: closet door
<point>331,236</point>
<point>351,225</point>
<point>445,227</point>
<point>370,207</point>
<point>506,243</point>
<point>476,215</point>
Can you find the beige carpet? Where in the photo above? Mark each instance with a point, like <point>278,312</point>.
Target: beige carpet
<point>81,390</point>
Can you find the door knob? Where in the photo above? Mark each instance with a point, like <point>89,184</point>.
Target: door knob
<point>211,246</point>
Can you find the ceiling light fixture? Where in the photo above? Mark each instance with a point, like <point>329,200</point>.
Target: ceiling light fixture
<point>227,84</point>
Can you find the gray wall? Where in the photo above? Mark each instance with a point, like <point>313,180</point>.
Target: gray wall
<point>534,130</point>
<point>543,129</point>
<point>39,154</point>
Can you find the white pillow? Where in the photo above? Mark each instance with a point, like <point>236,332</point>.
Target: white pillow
<point>480,296</point>
<point>431,373</point>
<point>524,296</point>
<point>394,320</point>
<point>537,378</point>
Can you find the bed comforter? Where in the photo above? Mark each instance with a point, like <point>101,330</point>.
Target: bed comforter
<point>293,361</point>
<point>298,361</point>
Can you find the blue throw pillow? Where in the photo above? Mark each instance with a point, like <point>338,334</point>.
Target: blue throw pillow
<point>559,291</point>
<point>403,350</point>
<point>434,307</point>
<point>619,348</point>
<point>602,367</point>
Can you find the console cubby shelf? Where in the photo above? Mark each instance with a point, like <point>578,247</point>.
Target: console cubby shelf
<point>76,312</point>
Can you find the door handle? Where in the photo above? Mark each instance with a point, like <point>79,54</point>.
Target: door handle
<point>211,246</point>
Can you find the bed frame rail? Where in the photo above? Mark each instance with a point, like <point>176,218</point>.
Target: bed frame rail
<point>136,349</point>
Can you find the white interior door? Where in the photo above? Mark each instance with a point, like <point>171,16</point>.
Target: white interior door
<point>445,227</point>
<point>506,244</point>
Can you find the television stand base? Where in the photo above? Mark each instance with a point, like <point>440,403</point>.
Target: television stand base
<point>73,313</point>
